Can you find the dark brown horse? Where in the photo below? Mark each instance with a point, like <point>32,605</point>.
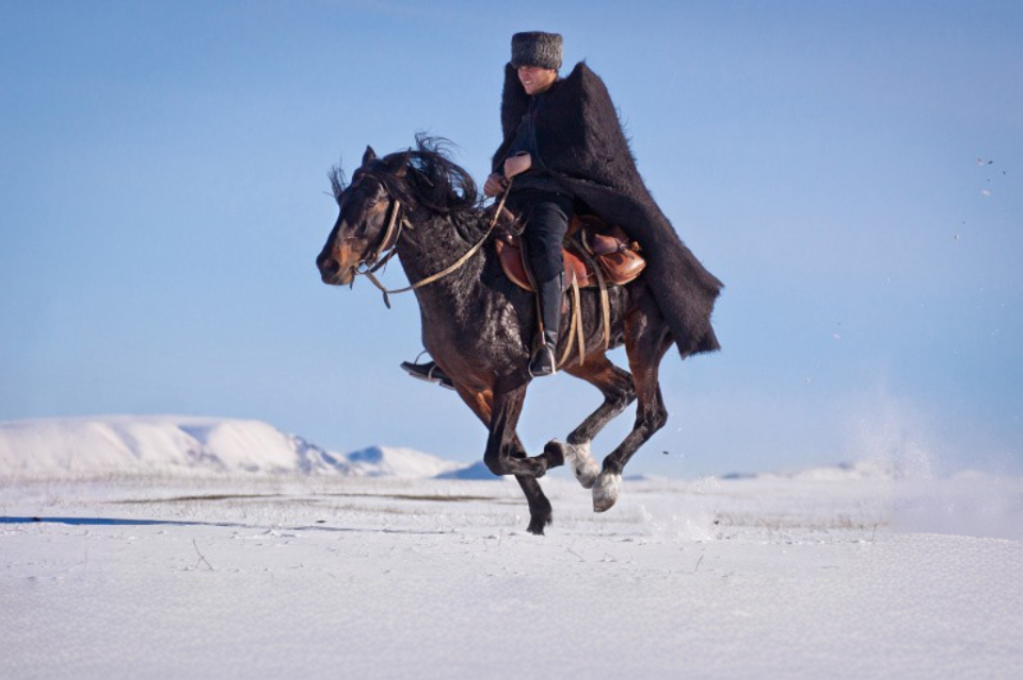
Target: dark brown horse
<point>479,326</point>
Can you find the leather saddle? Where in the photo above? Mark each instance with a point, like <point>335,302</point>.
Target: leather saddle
<point>589,243</point>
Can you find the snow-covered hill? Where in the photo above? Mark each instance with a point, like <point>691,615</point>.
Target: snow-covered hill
<point>379,461</point>
<point>476,471</point>
<point>97,446</point>
<point>842,472</point>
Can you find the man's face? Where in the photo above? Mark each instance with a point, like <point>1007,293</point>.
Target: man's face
<point>535,79</point>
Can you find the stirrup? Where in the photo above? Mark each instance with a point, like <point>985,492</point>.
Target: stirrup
<point>430,372</point>
<point>544,361</point>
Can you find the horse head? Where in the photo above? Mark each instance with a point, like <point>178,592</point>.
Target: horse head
<point>367,216</point>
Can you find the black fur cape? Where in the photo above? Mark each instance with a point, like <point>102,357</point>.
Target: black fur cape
<point>581,141</point>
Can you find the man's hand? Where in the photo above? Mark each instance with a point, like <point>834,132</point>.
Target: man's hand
<point>494,185</point>
<point>517,164</point>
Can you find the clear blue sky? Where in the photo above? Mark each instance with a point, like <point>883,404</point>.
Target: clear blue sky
<point>853,172</point>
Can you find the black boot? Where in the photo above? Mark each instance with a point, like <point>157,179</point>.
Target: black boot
<point>544,361</point>
<point>430,372</point>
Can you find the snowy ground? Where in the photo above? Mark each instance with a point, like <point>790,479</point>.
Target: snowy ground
<point>829,574</point>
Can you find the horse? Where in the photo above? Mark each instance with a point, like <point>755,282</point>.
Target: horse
<point>478,325</point>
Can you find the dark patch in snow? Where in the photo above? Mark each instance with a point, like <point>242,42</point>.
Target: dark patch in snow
<point>373,454</point>
<point>739,475</point>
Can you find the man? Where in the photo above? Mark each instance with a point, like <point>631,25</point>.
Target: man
<point>563,148</point>
<point>536,195</point>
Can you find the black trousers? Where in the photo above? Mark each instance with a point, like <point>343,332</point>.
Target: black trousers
<point>546,214</point>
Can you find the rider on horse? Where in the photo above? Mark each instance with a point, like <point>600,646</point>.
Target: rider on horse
<point>564,147</point>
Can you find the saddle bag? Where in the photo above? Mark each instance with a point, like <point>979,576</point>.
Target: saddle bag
<point>616,254</point>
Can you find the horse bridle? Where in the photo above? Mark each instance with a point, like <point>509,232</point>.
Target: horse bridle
<point>389,244</point>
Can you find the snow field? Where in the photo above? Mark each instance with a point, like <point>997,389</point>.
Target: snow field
<point>319,577</point>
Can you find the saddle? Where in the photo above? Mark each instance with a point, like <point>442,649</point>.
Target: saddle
<point>594,253</point>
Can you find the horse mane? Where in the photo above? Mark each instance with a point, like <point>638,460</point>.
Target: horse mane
<point>433,180</point>
<point>338,183</point>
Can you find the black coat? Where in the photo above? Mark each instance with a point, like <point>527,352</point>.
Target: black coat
<point>581,141</point>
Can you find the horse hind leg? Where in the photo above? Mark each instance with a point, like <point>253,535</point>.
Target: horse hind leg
<point>646,341</point>
<point>617,387</point>
<point>650,417</point>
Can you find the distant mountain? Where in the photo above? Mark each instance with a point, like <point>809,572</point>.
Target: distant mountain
<point>104,445</point>
<point>378,461</point>
<point>836,473</point>
<point>847,471</point>
<point>477,470</point>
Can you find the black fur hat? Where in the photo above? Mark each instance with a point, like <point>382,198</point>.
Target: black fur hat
<point>536,48</point>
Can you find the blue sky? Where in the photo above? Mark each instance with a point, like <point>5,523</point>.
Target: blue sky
<point>853,172</point>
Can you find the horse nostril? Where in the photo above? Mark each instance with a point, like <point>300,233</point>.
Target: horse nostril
<point>328,265</point>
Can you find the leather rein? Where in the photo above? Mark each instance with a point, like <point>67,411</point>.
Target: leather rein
<point>388,246</point>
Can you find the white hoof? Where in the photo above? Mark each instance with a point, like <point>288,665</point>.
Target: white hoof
<point>581,461</point>
<point>606,491</point>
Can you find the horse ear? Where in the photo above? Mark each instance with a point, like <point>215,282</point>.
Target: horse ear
<point>369,156</point>
<point>403,166</point>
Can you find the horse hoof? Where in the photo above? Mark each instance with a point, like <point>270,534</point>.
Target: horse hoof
<point>554,452</point>
<point>537,523</point>
<point>581,461</point>
<point>606,491</point>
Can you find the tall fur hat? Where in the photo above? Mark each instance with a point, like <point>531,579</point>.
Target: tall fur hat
<point>536,48</point>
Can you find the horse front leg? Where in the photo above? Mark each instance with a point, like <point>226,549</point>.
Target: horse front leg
<point>504,454</point>
<point>540,510</point>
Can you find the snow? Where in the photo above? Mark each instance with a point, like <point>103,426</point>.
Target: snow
<point>477,470</point>
<point>378,461</point>
<point>127,445</point>
<point>223,572</point>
